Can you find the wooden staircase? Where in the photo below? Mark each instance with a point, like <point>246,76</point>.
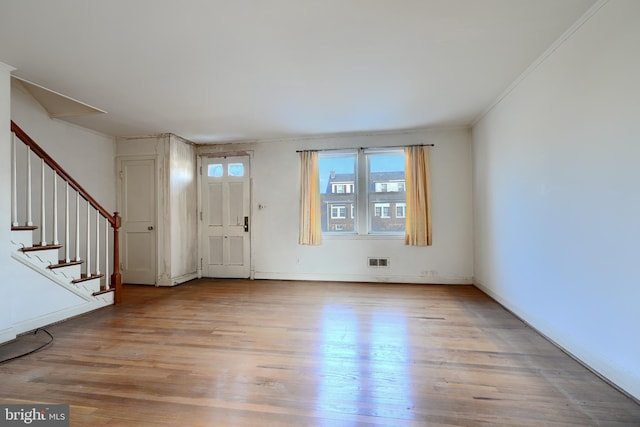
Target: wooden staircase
<point>91,234</point>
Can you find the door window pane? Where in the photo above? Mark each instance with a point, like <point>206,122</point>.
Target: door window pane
<point>215,170</point>
<point>235,169</point>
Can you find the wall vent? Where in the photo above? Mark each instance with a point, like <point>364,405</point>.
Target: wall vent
<point>378,262</point>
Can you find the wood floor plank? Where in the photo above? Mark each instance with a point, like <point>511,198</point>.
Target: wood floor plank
<point>278,353</point>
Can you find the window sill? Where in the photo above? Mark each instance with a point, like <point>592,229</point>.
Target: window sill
<point>363,237</point>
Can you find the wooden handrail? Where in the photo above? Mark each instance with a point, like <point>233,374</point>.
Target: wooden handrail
<point>60,171</point>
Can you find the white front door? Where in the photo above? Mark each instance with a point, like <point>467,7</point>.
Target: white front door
<point>225,217</point>
<point>138,210</point>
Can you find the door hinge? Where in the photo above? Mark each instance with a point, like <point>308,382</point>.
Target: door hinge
<point>200,170</point>
<point>200,263</point>
<point>121,175</point>
<point>200,215</point>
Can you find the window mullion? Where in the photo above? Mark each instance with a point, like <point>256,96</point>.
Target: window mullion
<point>362,193</point>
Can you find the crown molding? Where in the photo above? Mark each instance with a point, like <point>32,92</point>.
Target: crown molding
<point>593,10</point>
<point>335,135</point>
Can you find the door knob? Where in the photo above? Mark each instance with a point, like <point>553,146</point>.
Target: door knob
<point>150,227</point>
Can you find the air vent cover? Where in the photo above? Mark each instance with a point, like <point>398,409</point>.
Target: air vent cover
<point>378,262</point>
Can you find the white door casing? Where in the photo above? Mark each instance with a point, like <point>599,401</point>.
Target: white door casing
<point>226,224</point>
<point>138,231</point>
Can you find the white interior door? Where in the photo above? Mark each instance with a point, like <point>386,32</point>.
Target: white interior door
<point>138,199</point>
<point>225,217</point>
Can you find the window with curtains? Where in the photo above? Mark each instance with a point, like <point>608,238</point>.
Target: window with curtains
<point>373,191</point>
<point>369,184</point>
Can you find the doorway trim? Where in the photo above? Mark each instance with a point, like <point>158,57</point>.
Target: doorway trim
<point>207,152</point>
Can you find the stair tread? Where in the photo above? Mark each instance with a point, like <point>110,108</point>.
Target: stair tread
<point>103,291</point>
<point>63,263</point>
<point>23,227</point>
<point>84,278</point>
<point>40,248</point>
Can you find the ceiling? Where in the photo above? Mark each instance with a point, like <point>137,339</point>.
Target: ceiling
<point>221,70</point>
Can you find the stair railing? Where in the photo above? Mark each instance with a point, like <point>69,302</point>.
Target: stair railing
<point>50,168</point>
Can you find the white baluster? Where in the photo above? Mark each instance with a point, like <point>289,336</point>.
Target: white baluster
<point>106,254</point>
<point>14,185</point>
<point>55,208</point>
<point>77,226</point>
<point>97,242</point>
<point>66,223</point>
<point>29,220</point>
<point>43,219</point>
<point>88,260</point>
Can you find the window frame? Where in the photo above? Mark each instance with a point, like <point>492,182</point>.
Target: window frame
<point>384,207</point>
<point>361,211</point>
<point>338,209</point>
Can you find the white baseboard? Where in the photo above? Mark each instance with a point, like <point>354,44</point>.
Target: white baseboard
<point>49,318</point>
<point>184,278</point>
<point>431,280</point>
<point>520,314</point>
<point>178,279</point>
<point>7,335</point>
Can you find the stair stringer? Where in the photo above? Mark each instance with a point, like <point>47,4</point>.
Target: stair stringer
<point>40,261</point>
<point>39,264</point>
<point>90,302</point>
<point>22,238</point>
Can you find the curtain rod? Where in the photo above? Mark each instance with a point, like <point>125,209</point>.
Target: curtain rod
<point>364,148</point>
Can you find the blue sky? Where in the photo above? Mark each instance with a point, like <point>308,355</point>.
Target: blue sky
<point>379,163</point>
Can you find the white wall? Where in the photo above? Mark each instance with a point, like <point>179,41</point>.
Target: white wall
<point>29,300</point>
<point>556,197</point>
<point>275,184</point>
<point>88,156</point>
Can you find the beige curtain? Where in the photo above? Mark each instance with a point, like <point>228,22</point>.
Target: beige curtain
<point>310,222</point>
<point>418,187</point>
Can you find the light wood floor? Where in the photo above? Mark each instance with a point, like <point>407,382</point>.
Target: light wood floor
<point>270,353</point>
